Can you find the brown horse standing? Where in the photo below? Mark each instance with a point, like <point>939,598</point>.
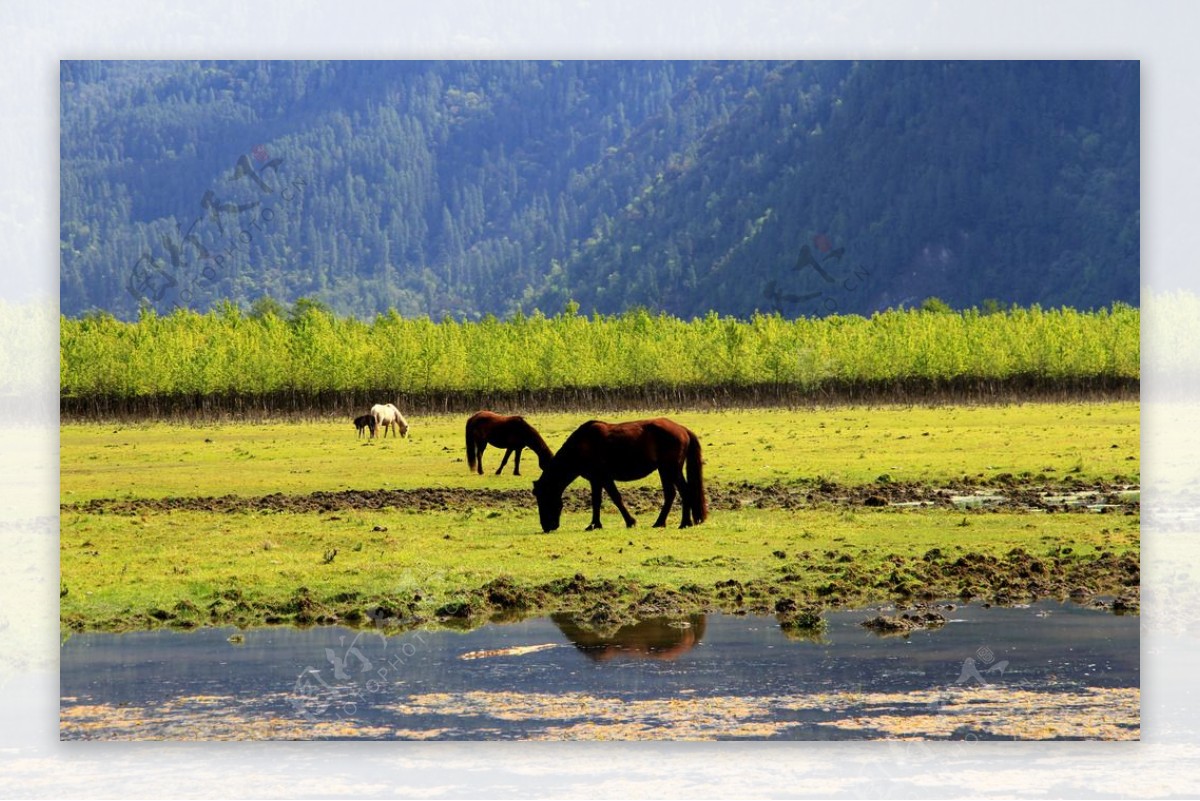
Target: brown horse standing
<point>605,453</point>
<point>509,432</point>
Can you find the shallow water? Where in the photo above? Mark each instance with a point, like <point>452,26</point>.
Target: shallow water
<point>1089,500</point>
<point>1043,671</point>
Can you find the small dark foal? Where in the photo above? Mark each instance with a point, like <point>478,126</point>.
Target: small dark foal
<point>365,421</point>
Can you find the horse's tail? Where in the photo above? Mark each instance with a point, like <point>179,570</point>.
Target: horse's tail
<point>695,480</point>
<point>470,448</point>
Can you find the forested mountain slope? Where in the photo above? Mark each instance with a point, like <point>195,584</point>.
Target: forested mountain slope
<point>468,188</point>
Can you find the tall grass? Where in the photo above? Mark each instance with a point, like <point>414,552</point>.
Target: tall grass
<point>228,351</point>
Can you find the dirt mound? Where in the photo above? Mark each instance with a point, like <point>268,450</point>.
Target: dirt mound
<point>904,623</point>
<point>425,499</point>
<point>641,500</point>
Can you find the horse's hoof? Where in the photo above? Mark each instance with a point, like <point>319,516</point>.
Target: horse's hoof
<point>630,523</point>
<point>593,527</point>
<point>659,524</point>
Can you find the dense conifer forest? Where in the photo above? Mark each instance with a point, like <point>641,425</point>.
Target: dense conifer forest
<point>465,189</point>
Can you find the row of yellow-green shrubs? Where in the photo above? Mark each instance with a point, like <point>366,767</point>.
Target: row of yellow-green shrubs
<point>308,349</point>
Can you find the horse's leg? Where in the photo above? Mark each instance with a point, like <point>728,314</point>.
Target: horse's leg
<point>684,499</point>
<point>597,494</point>
<point>668,484</point>
<point>611,486</point>
<point>517,461</point>
<point>504,461</point>
<point>482,446</point>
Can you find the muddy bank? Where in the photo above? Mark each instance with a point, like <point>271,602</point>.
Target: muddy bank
<point>1002,494</point>
<point>304,404</point>
<point>795,592</point>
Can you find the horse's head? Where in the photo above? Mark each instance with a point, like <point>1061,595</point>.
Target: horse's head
<point>398,420</point>
<point>550,504</point>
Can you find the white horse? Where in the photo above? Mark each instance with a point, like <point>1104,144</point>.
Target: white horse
<point>388,416</point>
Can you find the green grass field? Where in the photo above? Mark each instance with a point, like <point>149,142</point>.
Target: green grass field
<point>851,445</point>
<point>180,567</point>
<point>136,568</point>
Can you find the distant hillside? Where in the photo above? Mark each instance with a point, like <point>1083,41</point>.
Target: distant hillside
<point>468,188</point>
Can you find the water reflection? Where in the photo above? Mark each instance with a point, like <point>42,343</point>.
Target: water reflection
<point>654,638</point>
<point>1047,670</point>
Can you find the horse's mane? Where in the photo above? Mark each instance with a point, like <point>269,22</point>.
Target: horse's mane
<point>538,443</point>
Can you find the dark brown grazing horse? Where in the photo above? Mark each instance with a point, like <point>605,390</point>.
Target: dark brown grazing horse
<point>509,432</point>
<point>605,453</point>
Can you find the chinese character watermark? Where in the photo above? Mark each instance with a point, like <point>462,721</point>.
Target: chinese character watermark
<point>970,669</point>
<point>350,676</point>
<point>834,281</point>
<point>191,262</point>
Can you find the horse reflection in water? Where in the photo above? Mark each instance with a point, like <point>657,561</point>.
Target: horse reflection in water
<point>655,638</point>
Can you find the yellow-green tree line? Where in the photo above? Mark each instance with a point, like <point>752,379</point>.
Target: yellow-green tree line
<point>309,350</point>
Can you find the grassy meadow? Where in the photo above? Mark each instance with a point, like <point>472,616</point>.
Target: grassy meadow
<point>848,445</point>
<point>139,570</point>
<point>139,550</point>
